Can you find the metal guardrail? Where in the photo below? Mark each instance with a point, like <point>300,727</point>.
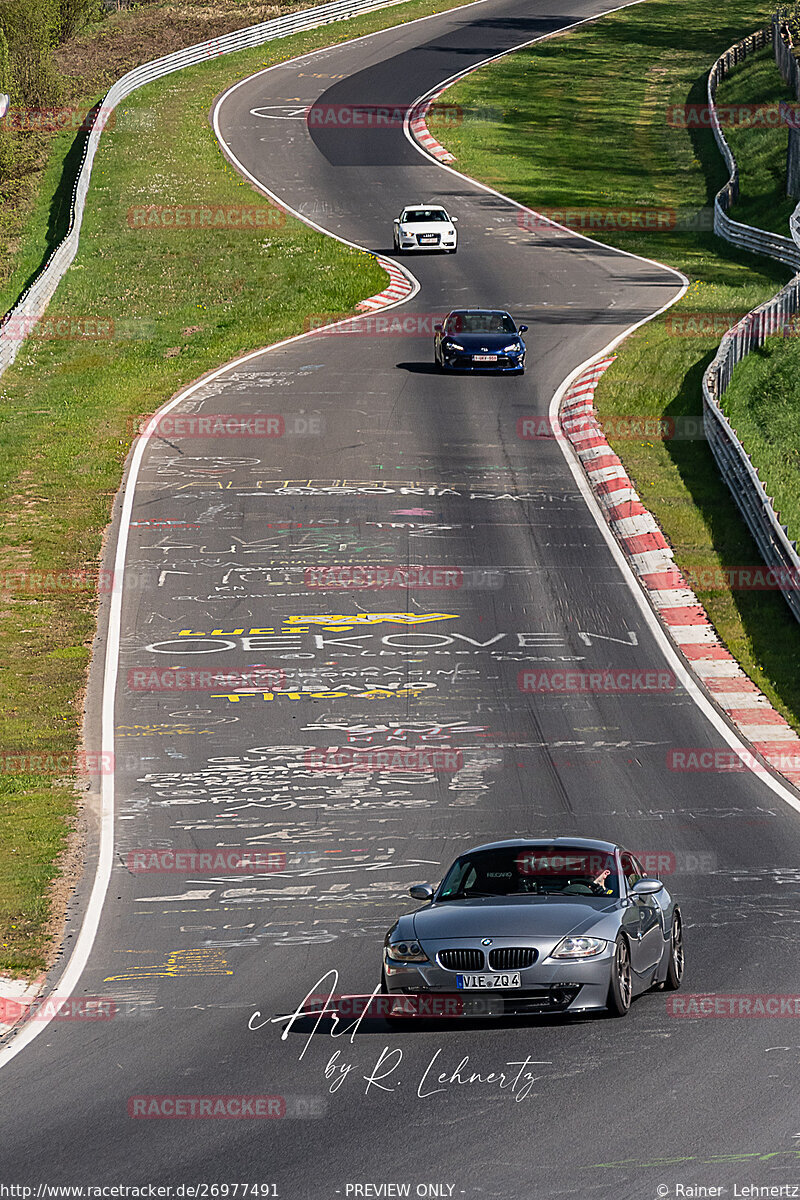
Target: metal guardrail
<point>21,319</point>
<point>745,236</point>
<point>770,318</point>
<point>787,63</point>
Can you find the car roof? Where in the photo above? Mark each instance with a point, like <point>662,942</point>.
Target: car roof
<point>573,842</point>
<point>463,312</point>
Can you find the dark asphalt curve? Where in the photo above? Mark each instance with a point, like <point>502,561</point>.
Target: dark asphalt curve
<point>384,462</point>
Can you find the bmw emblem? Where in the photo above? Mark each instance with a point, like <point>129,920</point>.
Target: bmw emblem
<point>486,941</point>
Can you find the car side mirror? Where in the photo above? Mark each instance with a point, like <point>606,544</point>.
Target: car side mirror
<point>437,329</point>
<point>523,328</point>
<point>647,887</point>
<point>454,220</point>
<point>421,891</point>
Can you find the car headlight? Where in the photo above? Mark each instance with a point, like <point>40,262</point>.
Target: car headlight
<point>579,947</point>
<point>408,951</point>
<point>448,345</point>
<point>514,348</point>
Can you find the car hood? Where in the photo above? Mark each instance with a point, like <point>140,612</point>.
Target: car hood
<point>426,226</point>
<point>479,341</point>
<point>509,916</point>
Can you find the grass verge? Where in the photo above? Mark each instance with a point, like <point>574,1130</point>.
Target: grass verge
<point>180,302</point>
<point>760,149</point>
<point>585,125</point>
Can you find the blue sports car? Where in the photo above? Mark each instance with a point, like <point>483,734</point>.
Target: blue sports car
<point>479,339</point>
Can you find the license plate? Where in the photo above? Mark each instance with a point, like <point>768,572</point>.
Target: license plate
<point>428,237</point>
<point>505,979</point>
<point>484,358</point>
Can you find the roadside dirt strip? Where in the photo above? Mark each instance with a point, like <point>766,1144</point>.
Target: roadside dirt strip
<point>684,617</point>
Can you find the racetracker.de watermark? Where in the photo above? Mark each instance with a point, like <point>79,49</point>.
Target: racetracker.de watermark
<point>233,425</point>
<point>711,1004</point>
<point>742,579</point>
<point>391,324</point>
<point>172,217</point>
<point>596,680</point>
<point>655,863</point>
<point>64,118</point>
<point>415,1005</point>
<point>81,762</point>
<point>223,859</point>
<point>717,324</point>
<point>365,577</point>
<point>58,1008</point>
<point>734,116</point>
<point>387,115</point>
<point>617,220</point>
<point>396,759</point>
<point>54,327</point>
<point>207,1107</point>
<point>705,760</point>
<point>190,679</point>
<point>537,427</point>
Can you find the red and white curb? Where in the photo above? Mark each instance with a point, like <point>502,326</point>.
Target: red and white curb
<point>399,287</point>
<point>681,612</point>
<point>423,135</point>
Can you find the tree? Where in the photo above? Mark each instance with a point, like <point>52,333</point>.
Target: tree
<point>30,28</point>
<point>75,15</point>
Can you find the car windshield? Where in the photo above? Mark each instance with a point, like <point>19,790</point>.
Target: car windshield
<point>425,214</point>
<point>531,870</point>
<point>480,322</point>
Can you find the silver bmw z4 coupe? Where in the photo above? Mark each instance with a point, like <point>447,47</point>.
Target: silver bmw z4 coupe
<point>527,927</point>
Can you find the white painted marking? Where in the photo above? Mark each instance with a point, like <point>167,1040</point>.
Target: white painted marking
<point>770,733</point>
<point>673,597</point>
<point>635,526</point>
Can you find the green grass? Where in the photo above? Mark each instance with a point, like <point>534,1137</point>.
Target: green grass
<point>182,302</point>
<point>584,125</point>
<point>760,150</point>
<point>763,405</point>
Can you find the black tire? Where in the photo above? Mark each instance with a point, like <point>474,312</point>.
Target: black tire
<point>677,958</point>
<point>620,989</point>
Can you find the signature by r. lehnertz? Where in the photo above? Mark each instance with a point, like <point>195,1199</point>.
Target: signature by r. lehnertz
<point>517,1078</point>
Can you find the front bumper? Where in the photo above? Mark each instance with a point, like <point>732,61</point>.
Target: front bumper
<point>547,986</point>
<point>413,244</point>
<point>464,362</point>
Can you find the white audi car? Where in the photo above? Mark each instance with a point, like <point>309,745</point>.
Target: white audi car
<point>425,227</point>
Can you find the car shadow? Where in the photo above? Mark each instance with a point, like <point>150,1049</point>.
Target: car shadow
<point>371,1026</point>
<point>424,368</point>
<point>354,1018</point>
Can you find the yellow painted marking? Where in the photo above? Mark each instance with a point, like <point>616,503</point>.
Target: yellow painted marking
<point>350,622</point>
<point>178,962</point>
